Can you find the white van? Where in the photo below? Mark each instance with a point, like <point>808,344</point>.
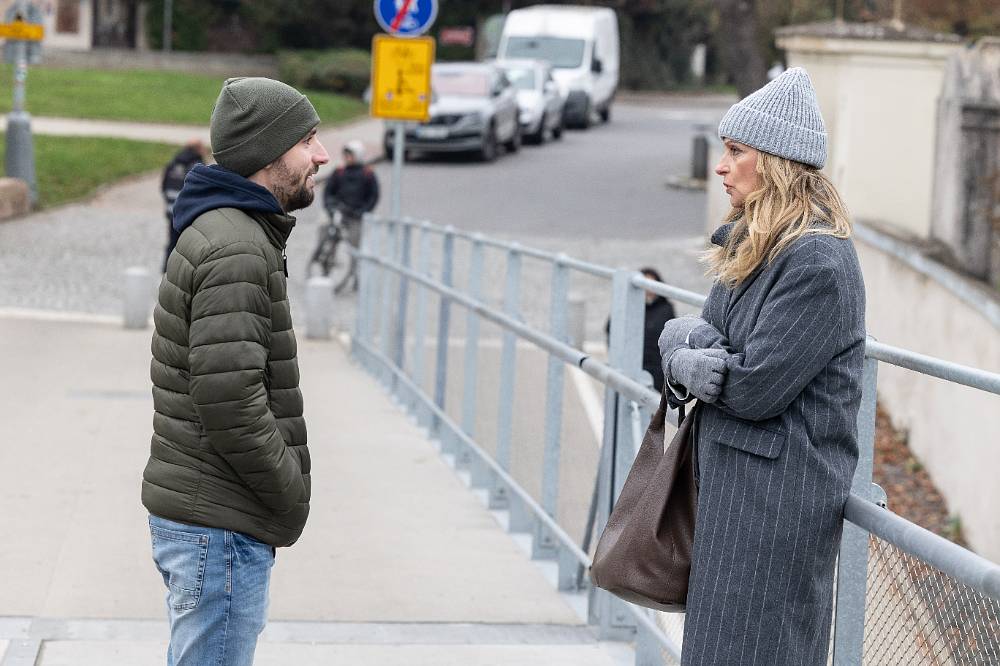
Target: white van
<point>582,45</point>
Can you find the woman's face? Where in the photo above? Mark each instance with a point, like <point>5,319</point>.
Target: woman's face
<point>738,168</point>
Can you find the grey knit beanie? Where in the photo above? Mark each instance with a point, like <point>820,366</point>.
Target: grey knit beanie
<point>782,119</point>
<point>256,120</point>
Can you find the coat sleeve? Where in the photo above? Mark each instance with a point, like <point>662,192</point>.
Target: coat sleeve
<point>795,336</point>
<point>331,189</point>
<point>372,192</point>
<point>229,343</point>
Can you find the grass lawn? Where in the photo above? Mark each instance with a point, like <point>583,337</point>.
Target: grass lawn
<point>143,96</point>
<point>69,168</point>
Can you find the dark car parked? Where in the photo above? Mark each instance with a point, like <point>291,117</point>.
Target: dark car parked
<point>473,109</point>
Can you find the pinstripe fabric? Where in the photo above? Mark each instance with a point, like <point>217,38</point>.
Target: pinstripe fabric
<point>776,455</point>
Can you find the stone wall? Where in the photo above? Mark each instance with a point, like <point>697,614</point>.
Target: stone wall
<point>15,199</point>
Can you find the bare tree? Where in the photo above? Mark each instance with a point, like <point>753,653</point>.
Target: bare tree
<point>739,45</point>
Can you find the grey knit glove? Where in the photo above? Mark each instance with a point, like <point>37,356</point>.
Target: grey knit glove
<point>700,371</point>
<point>675,333</point>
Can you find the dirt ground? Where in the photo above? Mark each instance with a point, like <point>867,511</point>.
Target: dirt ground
<point>911,492</point>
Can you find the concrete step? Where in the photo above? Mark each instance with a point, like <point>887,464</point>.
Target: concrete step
<point>55,642</point>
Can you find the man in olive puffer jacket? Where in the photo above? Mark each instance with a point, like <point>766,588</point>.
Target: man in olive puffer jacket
<point>228,475</point>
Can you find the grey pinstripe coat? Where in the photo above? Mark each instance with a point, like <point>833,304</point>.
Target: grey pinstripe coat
<point>776,455</point>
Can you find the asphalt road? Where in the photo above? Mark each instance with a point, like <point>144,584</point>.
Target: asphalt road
<point>599,195</point>
<point>602,183</point>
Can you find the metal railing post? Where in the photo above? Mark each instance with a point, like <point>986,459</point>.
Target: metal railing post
<point>364,278</point>
<point>386,323</point>
<point>444,320</point>
<point>852,563</point>
<point>399,353</point>
<point>420,325</point>
<point>499,497</point>
<point>543,545</point>
<point>618,449</point>
<point>479,475</point>
<point>648,651</point>
<point>375,276</point>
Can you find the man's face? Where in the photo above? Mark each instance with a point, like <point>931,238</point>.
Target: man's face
<point>294,173</point>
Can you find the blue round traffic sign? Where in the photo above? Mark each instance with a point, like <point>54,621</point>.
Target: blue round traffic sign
<point>406,18</point>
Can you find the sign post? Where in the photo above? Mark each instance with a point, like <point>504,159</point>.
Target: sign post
<point>401,73</point>
<point>19,157</point>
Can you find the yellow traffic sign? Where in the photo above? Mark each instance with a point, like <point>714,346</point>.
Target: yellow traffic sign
<point>401,77</point>
<point>31,32</point>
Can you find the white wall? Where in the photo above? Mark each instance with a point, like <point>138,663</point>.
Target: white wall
<point>953,430</point>
<point>879,102</point>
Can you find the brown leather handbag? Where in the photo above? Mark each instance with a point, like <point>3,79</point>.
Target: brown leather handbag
<point>644,554</point>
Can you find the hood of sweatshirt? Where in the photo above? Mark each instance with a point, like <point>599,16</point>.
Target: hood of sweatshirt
<point>211,187</point>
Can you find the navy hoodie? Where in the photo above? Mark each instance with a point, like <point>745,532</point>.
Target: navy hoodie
<point>211,187</point>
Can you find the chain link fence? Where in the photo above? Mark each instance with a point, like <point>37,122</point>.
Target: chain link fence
<point>917,615</point>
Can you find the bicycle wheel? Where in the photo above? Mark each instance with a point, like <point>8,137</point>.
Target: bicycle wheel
<point>341,265</point>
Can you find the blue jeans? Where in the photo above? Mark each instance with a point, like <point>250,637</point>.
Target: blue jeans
<point>217,590</point>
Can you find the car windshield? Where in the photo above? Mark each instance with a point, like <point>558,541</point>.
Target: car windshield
<point>475,84</point>
<point>561,52</point>
<point>523,79</point>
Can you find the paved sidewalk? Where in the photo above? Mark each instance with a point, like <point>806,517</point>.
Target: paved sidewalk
<point>399,564</point>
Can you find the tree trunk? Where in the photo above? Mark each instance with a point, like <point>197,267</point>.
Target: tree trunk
<point>740,50</point>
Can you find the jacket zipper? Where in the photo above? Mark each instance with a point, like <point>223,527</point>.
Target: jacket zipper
<point>284,260</point>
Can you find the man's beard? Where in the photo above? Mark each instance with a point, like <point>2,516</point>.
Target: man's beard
<point>291,193</point>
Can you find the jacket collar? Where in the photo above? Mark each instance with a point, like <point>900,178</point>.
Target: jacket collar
<point>721,235</point>
<point>277,226</point>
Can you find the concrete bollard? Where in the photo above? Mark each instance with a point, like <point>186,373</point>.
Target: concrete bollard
<point>138,297</point>
<point>699,157</point>
<point>576,326</point>
<point>319,308</point>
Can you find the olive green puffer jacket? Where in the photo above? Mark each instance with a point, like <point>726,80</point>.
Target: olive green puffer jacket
<point>229,441</point>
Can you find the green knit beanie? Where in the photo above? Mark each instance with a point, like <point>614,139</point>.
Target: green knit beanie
<point>256,120</point>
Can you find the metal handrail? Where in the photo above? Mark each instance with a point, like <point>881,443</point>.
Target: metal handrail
<point>862,516</point>
<point>630,388</point>
<point>935,367</point>
<point>974,571</point>
<point>904,358</point>
<point>963,565</point>
<point>553,257</point>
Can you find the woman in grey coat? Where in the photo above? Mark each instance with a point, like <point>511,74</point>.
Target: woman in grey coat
<point>776,359</point>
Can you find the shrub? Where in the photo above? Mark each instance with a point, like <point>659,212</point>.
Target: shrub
<point>345,71</point>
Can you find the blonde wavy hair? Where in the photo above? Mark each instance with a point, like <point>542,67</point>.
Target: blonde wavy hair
<point>793,200</point>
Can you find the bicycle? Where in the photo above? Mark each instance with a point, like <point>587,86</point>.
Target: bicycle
<point>332,256</point>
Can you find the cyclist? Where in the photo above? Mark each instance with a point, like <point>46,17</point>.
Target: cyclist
<point>353,191</point>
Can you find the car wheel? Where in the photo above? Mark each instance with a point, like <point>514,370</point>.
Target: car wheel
<point>488,151</point>
<point>539,137</point>
<point>585,122</point>
<point>515,141</point>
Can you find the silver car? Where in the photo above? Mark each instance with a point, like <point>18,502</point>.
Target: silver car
<point>538,98</point>
<point>473,109</point>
